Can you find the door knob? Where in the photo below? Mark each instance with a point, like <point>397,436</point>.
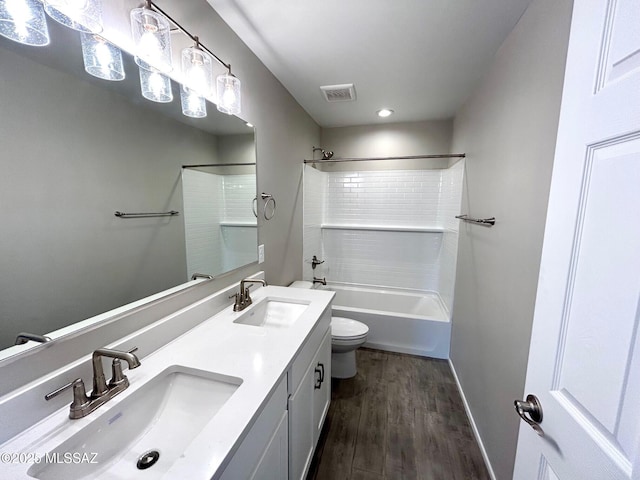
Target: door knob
<point>531,412</point>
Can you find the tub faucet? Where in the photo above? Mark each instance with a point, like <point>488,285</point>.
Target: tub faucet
<point>24,337</point>
<point>195,276</point>
<point>84,404</point>
<point>322,280</point>
<point>242,298</point>
<point>315,262</point>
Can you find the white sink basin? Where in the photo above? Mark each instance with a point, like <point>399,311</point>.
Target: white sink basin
<point>165,415</point>
<point>275,313</point>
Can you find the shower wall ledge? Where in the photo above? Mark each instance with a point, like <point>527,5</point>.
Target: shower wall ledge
<point>383,228</point>
<point>238,224</point>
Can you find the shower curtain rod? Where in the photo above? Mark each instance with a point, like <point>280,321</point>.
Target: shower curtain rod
<point>241,164</point>
<point>409,157</point>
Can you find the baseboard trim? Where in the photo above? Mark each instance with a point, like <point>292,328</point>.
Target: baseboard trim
<point>473,423</point>
<point>401,349</point>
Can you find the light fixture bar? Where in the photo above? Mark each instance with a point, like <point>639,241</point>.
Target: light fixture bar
<point>155,7</point>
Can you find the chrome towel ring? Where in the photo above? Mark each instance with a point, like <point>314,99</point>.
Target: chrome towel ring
<point>268,200</point>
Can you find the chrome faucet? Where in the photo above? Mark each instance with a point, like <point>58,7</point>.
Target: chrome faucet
<point>243,298</point>
<point>322,280</point>
<point>102,392</point>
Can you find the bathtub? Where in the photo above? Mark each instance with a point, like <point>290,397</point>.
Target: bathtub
<point>399,320</point>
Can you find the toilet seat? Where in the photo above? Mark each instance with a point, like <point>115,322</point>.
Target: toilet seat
<point>347,329</point>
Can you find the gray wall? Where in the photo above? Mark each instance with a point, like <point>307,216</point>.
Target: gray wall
<point>508,130</point>
<point>237,149</point>
<point>389,139</point>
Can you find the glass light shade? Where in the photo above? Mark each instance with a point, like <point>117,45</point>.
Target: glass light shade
<point>193,105</point>
<point>155,86</point>
<point>81,15</point>
<point>152,39</point>
<point>228,89</point>
<point>197,70</point>
<point>101,58</point>
<point>24,21</point>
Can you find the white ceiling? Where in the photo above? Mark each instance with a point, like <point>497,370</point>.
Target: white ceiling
<point>421,58</point>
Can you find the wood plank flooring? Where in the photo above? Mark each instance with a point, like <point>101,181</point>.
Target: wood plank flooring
<point>401,417</point>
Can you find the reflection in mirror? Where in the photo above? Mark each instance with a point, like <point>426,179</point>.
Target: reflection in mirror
<point>75,149</point>
<point>220,227</point>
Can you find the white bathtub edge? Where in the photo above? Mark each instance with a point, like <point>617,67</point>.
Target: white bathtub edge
<point>403,349</point>
<point>408,316</point>
<point>474,427</point>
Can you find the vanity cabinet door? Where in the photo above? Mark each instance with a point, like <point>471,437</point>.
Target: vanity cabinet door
<point>301,426</point>
<point>308,408</point>
<point>322,385</point>
<point>263,452</point>
<point>274,463</point>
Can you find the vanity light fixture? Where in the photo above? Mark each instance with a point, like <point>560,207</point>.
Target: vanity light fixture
<point>155,85</point>
<point>154,50</point>
<point>193,105</point>
<point>197,69</point>
<point>229,93</point>
<point>24,21</point>
<point>81,15</point>
<point>385,112</point>
<point>152,38</point>
<point>101,58</point>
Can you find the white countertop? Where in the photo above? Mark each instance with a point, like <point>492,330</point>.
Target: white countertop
<point>259,356</point>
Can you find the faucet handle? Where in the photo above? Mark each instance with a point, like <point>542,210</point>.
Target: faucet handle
<point>80,398</point>
<point>117,377</point>
<point>247,298</point>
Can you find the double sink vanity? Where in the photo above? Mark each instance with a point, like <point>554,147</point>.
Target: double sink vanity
<point>241,395</point>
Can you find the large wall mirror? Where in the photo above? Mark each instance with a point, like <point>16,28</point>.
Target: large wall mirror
<point>76,149</point>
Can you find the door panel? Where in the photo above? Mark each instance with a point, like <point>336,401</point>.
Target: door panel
<point>546,472</point>
<point>604,272</point>
<point>584,356</point>
<point>301,428</point>
<point>621,45</point>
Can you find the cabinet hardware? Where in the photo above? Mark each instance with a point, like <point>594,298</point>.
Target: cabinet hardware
<point>320,371</point>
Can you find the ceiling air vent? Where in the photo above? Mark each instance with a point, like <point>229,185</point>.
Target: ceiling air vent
<point>339,93</point>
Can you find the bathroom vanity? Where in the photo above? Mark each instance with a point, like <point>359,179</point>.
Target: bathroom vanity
<point>240,395</point>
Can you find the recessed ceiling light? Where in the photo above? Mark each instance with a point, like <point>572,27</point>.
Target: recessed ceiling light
<point>250,125</point>
<point>385,112</point>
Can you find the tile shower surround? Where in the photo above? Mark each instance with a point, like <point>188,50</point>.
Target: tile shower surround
<point>390,198</point>
<point>209,247</point>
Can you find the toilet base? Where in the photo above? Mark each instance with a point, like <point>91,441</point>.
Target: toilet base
<point>343,365</point>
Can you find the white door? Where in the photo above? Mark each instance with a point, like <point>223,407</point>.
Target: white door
<point>584,361</point>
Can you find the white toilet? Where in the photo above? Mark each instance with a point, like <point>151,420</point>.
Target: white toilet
<point>346,336</point>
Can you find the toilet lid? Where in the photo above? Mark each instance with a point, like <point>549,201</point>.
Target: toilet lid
<point>346,327</point>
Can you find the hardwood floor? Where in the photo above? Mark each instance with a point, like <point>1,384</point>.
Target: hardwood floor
<point>401,417</point>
